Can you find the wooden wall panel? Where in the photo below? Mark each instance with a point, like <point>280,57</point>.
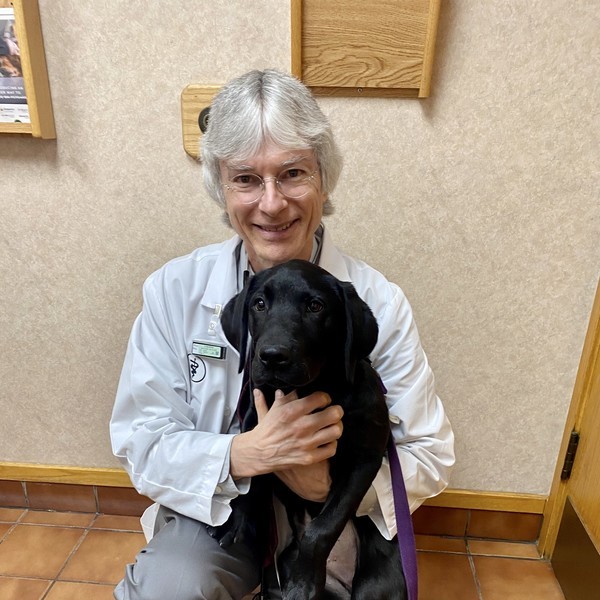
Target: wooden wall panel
<point>371,48</point>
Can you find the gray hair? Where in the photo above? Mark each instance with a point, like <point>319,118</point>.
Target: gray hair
<point>267,107</point>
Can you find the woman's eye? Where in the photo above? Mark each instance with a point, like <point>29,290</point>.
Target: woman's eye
<point>245,180</point>
<point>259,305</point>
<point>315,306</point>
<point>291,174</point>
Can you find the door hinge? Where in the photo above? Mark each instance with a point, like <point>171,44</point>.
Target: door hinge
<point>570,457</point>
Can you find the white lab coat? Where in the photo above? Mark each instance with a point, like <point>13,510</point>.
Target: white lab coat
<point>174,415</point>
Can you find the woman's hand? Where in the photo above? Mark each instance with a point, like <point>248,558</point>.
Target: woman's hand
<point>311,482</point>
<point>292,441</point>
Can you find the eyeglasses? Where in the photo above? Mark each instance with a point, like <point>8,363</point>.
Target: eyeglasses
<point>292,183</point>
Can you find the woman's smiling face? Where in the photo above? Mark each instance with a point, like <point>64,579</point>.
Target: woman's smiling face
<point>275,228</point>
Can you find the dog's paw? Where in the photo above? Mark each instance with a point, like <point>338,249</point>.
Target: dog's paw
<point>223,534</point>
<point>300,590</point>
<point>234,530</point>
<point>303,584</point>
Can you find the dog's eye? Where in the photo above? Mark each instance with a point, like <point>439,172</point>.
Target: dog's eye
<point>315,306</point>
<point>259,304</point>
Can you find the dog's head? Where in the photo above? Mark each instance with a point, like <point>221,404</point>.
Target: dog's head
<point>301,319</point>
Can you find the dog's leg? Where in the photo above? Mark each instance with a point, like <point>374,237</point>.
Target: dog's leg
<point>306,562</point>
<point>379,573</point>
<point>247,522</point>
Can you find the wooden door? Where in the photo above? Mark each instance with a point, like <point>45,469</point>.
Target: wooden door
<point>571,531</point>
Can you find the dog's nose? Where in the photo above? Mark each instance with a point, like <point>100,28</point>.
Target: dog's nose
<point>274,356</point>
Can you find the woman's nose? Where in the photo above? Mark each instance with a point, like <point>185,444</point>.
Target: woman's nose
<point>272,201</point>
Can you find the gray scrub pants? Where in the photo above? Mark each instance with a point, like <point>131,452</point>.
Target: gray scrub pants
<point>183,562</point>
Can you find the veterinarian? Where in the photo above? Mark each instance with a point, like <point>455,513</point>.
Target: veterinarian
<point>270,161</point>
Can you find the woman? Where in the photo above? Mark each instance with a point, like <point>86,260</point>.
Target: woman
<point>270,160</point>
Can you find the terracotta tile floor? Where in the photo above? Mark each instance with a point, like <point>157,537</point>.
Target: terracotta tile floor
<point>73,556</point>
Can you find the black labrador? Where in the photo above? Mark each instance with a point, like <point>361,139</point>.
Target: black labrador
<point>311,332</point>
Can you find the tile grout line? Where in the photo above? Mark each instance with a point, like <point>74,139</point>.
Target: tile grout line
<point>96,498</point>
<point>8,532</point>
<point>52,582</point>
<point>25,494</point>
<point>91,525</point>
<point>72,553</point>
<point>473,570</point>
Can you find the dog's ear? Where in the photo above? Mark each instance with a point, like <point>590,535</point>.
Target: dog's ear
<point>362,329</point>
<point>234,320</point>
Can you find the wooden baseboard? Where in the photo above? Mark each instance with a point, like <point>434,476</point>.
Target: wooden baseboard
<point>497,501</point>
<point>115,477</point>
<point>64,474</point>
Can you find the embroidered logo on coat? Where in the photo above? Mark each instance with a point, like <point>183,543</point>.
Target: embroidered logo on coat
<point>197,368</point>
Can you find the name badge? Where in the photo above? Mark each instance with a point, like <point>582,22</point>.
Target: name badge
<point>206,350</point>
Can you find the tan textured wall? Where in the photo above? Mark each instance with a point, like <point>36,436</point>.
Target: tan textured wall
<point>481,202</point>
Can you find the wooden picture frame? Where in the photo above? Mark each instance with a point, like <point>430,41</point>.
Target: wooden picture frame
<point>28,31</point>
<point>379,48</point>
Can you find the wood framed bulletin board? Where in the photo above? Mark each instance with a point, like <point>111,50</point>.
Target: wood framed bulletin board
<point>366,48</point>
<point>25,102</point>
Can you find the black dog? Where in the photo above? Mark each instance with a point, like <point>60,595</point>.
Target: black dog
<point>311,332</point>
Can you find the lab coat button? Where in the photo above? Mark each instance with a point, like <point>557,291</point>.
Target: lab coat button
<point>218,489</point>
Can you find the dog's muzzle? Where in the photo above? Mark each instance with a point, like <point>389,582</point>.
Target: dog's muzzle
<point>277,365</point>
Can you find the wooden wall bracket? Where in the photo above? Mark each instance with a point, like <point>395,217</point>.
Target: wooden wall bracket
<point>195,98</point>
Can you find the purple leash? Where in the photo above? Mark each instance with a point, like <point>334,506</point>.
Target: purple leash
<point>406,536</point>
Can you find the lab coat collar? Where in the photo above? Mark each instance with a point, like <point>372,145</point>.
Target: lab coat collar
<point>332,260</point>
<point>223,283</point>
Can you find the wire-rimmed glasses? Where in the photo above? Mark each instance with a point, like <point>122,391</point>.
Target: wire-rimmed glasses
<point>292,183</point>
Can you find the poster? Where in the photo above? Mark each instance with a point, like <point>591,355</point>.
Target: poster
<point>13,102</point>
